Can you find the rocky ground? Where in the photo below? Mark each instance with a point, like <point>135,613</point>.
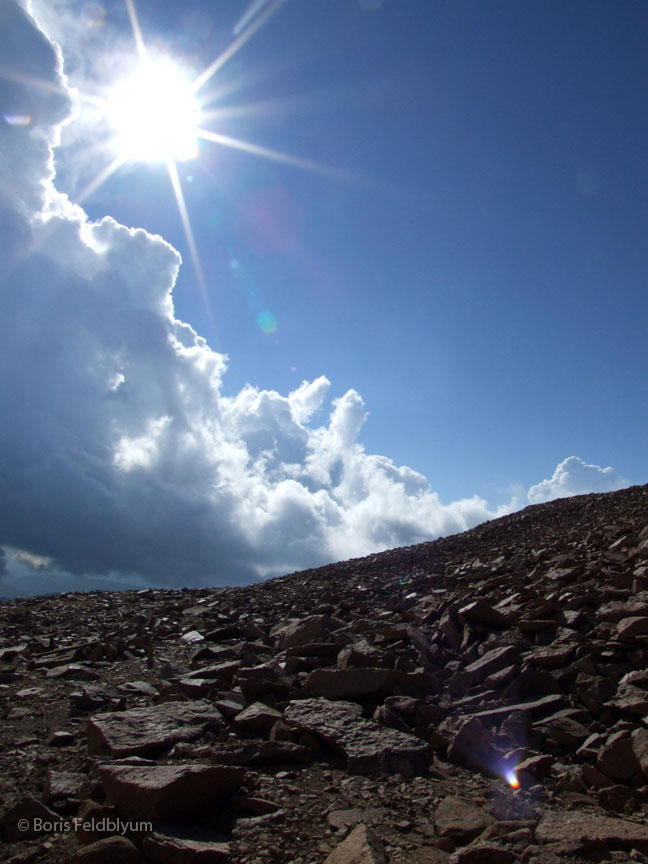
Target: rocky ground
<point>382,709</point>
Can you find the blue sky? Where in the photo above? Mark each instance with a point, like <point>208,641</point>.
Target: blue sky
<point>473,264</point>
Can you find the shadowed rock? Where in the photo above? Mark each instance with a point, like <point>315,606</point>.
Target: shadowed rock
<point>148,730</point>
<point>170,791</point>
<point>368,748</point>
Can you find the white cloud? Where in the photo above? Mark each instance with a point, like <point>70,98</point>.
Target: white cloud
<point>573,476</point>
<point>119,456</point>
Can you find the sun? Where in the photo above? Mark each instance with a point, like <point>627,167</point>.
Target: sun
<point>154,114</point>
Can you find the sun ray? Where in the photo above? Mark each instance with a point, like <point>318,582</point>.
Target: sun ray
<point>137,33</point>
<point>236,45</point>
<point>250,13</point>
<point>46,86</point>
<point>186,224</point>
<point>274,155</point>
<point>100,179</point>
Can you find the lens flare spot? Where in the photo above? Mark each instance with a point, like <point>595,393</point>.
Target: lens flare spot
<point>93,14</point>
<point>266,321</point>
<point>512,780</point>
<point>17,119</point>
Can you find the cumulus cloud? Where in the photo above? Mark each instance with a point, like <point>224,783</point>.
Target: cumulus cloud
<point>120,459</point>
<point>573,476</point>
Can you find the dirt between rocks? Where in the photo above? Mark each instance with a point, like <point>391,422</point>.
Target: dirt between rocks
<point>480,698</point>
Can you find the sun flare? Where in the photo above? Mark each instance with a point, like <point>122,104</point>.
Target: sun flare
<point>512,779</point>
<point>154,114</point>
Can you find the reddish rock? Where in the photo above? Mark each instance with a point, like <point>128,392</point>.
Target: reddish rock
<point>473,742</point>
<point>339,819</point>
<point>95,821</point>
<point>567,732</point>
<point>362,654</point>
<point>166,849</point>
<point>629,628</point>
<point>537,709</point>
<point>617,758</point>
<point>257,717</point>
<point>108,851</point>
<point>489,663</point>
<point>170,791</point>
<point>353,683</point>
<point>550,658</point>
<point>584,830</point>
<point>304,630</point>
<point>360,847</point>
<point>460,819</point>
<point>223,672</point>
<point>640,749</point>
<point>479,612</point>
<point>533,768</point>
<point>29,818</point>
<point>62,784</point>
<point>484,853</point>
<point>263,680</point>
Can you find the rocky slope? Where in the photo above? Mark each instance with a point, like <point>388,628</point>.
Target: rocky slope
<point>481,698</point>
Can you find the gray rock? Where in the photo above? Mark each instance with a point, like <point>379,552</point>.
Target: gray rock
<point>149,730</point>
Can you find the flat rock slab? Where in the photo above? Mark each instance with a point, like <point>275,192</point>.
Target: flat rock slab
<point>367,746</point>
<point>587,830</point>
<point>537,709</point>
<point>262,753</point>
<point>170,791</point>
<point>164,849</point>
<point>489,663</point>
<point>62,784</point>
<point>485,853</point>
<point>355,683</point>
<point>149,730</point>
